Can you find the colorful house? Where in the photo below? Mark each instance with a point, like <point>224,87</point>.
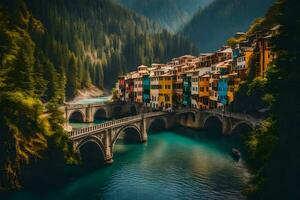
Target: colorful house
<point>138,83</point>
<point>177,85</point>
<point>146,89</point>
<point>166,91</point>
<point>222,90</point>
<point>155,86</point>
<point>204,91</point>
<point>241,60</point>
<point>233,85</point>
<point>129,88</point>
<point>121,87</point>
<point>186,91</point>
<point>213,91</point>
<point>195,89</point>
<point>138,87</point>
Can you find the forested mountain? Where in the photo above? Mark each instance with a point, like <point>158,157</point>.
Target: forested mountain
<point>210,27</point>
<point>171,14</point>
<point>89,42</point>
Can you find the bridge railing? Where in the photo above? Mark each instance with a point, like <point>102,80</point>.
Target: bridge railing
<point>220,112</point>
<point>112,123</point>
<point>231,114</point>
<point>153,114</point>
<point>78,106</point>
<point>104,125</point>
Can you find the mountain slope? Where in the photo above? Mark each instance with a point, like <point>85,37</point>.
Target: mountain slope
<point>171,14</point>
<point>210,27</point>
<point>91,42</point>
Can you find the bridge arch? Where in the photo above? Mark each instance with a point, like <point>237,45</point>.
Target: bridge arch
<point>131,133</point>
<point>133,110</point>
<point>100,114</point>
<point>91,150</point>
<point>117,112</point>
<point>186,117</point>
<point>242,126</point>
<point>213,123</point>
<point>76,116</point>
<point>157,124</point>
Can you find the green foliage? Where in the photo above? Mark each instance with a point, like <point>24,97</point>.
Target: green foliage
<point>273,148</point>
<point>17,59</point>
<point>261,143</point>
<point>260,146</point>
<point>23,135</point>
<point>29,136</point>
<point>105,39</point>
<point>114,94</point>
<point>284,82</point>
<point>252,90</point>
<point>71,86</point>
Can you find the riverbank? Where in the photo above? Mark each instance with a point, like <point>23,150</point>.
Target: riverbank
<point>87,93</point>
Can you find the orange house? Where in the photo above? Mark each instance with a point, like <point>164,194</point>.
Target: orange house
<point>204,91</point>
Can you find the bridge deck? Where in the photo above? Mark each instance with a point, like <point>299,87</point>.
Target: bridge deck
<point>111,124</point>
<point>132,119</point>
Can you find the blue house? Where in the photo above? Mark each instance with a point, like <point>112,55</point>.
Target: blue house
<point>222,90</point>
<point>146,89</point>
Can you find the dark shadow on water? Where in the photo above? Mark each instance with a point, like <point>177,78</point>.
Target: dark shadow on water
<point>157,126</point>
<point>226,143</point>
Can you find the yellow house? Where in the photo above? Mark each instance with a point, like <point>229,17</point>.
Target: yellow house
<point>166,91</point>
<point>233,85</point>
<point>204,91</point>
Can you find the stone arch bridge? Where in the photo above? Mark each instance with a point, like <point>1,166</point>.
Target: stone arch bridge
<point>228,121</point>
<point>88,113</point>
<point>106,134</point>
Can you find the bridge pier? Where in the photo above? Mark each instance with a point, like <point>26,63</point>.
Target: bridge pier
<point>144,130</point>
<point>108,159</point>
<point>89,115</point>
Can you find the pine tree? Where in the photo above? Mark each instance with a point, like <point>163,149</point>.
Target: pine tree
<point>71,85</point>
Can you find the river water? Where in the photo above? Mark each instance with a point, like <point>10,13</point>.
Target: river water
<point>185,164</point>
<point>77,125</point>
<point>97,100</point>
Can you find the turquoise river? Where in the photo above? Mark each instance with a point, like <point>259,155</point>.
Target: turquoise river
<point>186,164</point>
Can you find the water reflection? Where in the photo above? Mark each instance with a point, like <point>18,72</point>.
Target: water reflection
<point>170,166</point>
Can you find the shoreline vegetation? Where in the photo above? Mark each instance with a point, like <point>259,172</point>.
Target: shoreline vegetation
<point>272,149</point>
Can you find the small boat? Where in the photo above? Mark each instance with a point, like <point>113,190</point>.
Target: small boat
<point>236,154</point>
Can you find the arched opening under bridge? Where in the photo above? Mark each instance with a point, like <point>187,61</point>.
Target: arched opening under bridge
<point>157,125</point>
<point>76,117</point>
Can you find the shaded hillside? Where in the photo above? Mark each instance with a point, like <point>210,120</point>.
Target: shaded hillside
<point>210,28</point>
<point>171,14</point>
<point>91,42</point>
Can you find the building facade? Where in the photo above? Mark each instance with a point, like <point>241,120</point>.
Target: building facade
<point>207,81</point>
